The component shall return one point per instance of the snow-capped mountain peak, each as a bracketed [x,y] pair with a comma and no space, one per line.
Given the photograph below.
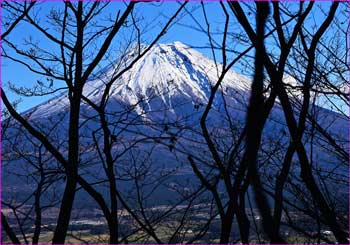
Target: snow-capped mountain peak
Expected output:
[172,72]
[168,70]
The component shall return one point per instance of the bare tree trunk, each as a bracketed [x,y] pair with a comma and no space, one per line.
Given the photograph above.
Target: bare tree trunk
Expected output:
[255,124]
[280,181]
[37,201]
[70,189]
[65,211]
[226,226]
[9,230]
[73,151]
[72,168]
[113,220]
[242,219]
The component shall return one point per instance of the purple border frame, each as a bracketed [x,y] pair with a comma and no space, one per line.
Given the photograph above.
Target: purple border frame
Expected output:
[348,60]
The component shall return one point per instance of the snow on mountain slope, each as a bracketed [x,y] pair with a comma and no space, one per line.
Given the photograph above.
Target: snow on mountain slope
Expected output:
[171,65]
[166,71]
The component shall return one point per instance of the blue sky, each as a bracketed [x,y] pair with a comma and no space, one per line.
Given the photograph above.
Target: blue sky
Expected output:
[154,15]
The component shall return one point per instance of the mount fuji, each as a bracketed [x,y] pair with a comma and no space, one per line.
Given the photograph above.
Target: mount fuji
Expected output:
[159,102]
